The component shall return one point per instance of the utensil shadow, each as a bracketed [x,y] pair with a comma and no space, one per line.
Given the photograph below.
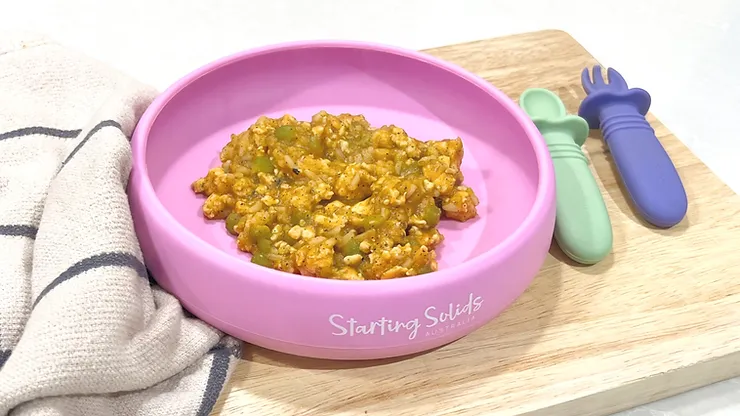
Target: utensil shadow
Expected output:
[502,346]
[591,269]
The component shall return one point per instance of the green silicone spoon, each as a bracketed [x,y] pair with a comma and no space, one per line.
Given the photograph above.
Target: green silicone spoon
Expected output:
[582,226]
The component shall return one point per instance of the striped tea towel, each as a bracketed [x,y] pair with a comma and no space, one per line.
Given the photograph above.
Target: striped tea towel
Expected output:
[82,330]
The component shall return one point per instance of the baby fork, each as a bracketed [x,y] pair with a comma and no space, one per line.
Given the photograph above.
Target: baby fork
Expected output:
[647,171]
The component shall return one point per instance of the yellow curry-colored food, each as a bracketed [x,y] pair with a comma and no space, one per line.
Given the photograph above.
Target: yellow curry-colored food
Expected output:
[336,198]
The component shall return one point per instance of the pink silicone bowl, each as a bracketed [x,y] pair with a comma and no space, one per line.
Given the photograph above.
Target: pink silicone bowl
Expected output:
[485,264]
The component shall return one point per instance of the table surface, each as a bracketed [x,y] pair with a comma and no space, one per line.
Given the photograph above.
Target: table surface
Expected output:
[682,54]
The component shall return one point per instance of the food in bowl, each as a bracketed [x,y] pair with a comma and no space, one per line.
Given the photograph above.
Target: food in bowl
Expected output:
[484,264]
[336,198]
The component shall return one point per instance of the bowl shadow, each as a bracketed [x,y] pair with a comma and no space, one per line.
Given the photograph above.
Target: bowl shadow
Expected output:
[620,196]
[501,346]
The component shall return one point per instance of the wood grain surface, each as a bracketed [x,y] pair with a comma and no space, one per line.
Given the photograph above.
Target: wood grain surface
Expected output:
[659,316]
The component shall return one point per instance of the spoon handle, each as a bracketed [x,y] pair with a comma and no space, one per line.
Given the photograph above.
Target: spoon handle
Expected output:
[583,229]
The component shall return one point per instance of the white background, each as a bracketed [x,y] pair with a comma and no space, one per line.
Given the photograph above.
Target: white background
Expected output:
[686,53]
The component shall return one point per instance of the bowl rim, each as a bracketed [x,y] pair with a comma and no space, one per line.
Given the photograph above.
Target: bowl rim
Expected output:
[538,213]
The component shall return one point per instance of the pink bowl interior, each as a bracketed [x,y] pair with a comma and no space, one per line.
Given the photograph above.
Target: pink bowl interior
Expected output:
[427,100]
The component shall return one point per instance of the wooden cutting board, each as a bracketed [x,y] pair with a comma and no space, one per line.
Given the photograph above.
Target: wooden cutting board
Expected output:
[659,316]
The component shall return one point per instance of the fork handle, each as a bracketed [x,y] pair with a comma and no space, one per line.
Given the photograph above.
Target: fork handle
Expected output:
[647,171]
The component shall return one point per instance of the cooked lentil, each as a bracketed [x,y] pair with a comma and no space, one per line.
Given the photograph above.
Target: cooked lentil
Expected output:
[336,198]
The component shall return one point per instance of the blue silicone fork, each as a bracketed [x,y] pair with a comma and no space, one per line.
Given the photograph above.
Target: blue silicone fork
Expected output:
[646,169]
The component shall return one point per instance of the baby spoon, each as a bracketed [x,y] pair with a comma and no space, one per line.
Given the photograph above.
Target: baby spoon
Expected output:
[582,226]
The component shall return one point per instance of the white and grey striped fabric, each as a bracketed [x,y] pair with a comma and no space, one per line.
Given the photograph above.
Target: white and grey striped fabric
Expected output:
[82,329]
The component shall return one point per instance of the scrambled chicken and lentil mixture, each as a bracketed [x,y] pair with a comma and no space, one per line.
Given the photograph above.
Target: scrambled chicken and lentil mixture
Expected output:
[336,198]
